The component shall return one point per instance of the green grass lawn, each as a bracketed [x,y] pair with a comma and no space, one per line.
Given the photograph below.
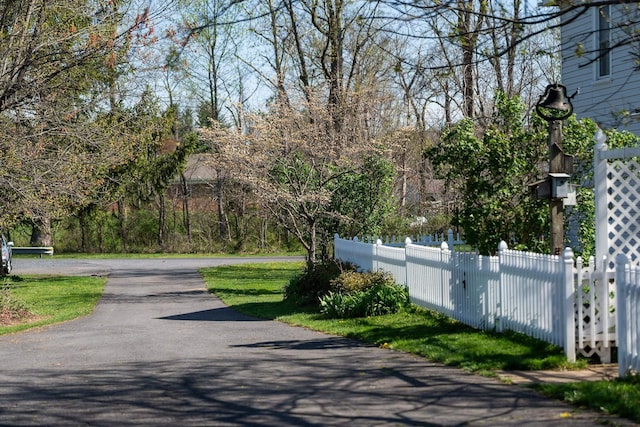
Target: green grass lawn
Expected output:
[256,289]
[51,299]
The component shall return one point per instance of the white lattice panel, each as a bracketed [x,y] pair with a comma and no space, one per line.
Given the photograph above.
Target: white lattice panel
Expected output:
[616,176]
[623,207]
[595,311]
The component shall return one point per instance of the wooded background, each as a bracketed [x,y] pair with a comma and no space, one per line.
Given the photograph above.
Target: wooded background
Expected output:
[312,117]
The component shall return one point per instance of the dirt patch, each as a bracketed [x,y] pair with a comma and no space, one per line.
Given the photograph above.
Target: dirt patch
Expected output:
[10,317]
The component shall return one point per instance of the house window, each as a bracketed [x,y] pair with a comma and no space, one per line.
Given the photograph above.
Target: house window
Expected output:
[603,41]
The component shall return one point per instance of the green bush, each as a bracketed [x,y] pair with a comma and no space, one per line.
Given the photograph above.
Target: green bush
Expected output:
[350,282]
[353,281]
[339,305]
[314,282]
[385,299]
[355,294]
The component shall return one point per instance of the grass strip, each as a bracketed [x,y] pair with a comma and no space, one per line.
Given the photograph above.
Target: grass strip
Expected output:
[620,396]
[52,299]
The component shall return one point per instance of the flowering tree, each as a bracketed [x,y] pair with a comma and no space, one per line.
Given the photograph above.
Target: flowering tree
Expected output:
[312,179]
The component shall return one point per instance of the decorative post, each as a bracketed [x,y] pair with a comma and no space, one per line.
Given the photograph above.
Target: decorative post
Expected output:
[444,284]
[555,106]
[556,168]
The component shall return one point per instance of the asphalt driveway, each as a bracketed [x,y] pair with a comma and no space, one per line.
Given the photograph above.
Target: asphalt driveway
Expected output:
[160,351]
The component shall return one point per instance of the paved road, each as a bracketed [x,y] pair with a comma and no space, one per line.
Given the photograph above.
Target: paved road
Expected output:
[160,351]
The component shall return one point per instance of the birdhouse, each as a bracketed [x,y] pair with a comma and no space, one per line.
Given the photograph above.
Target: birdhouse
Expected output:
[559,185]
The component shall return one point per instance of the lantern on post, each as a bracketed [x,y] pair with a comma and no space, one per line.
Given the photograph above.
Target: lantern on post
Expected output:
[554,106]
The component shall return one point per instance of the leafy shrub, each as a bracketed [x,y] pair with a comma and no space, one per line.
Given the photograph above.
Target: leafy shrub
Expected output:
[363,294]
[339,305]
[353,281]
[385,299]
[349,282]
[314,282]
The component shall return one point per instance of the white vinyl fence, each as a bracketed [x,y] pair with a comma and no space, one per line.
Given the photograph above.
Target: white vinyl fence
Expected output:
[518,291]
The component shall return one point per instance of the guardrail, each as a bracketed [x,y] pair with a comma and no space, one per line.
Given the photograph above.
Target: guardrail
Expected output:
[32,250]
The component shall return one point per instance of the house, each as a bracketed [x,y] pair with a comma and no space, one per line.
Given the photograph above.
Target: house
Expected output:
[598,61]
[197,183]
[198,170]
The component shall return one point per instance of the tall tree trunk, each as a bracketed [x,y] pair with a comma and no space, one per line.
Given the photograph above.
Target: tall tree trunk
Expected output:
[403,190]
[304,73]
[162,213]
[468,33]
[281,92]
[263,233]
[313,245]
[220,198]
[332,28]
[41,232]
[84,224]
[122,219]
[466,40]
[186,214]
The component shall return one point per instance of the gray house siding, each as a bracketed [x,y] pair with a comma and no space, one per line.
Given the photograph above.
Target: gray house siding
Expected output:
[612,101]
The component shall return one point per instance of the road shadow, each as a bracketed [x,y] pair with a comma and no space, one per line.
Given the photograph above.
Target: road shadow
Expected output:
[327,343]
[267,389]
[221,314]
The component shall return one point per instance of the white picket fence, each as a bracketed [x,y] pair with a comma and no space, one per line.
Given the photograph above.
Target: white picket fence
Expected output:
[628,315]
[518,291]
